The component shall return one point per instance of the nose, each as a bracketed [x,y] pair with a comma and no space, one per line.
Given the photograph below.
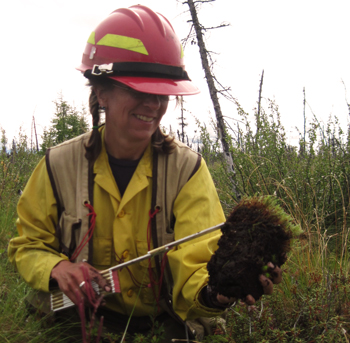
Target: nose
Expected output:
[152,101]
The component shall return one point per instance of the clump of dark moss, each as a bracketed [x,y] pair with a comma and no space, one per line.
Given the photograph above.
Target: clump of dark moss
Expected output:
[256,232]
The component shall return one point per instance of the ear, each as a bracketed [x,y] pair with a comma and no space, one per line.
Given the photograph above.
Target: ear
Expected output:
[101,95]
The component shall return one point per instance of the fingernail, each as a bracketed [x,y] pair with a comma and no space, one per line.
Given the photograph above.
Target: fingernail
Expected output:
[264,279]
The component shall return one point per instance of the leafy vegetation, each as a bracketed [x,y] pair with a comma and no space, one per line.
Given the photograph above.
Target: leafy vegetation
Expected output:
[311,182]
[17,324]
[67,122]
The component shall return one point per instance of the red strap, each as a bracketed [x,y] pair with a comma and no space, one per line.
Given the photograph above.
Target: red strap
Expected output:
[116,283]
[162,268]
[88,234]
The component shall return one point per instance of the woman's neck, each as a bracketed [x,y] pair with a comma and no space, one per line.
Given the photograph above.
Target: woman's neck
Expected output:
[124,149]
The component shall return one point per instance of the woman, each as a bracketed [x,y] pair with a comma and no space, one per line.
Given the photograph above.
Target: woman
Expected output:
[127,187]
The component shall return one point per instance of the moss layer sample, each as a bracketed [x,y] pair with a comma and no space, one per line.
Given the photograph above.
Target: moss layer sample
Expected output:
[256,232]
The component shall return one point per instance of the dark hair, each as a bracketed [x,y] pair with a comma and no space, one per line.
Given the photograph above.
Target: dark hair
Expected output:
[161,142]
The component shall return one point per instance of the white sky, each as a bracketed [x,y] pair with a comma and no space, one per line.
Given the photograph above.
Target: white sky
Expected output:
[300,43]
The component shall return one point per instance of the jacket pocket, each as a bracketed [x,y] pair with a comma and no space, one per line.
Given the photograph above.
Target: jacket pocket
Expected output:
[142,249]
[168,238]
[102,252]
[68,230]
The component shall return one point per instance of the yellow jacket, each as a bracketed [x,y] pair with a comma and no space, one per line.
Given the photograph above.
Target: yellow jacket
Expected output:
[121,233]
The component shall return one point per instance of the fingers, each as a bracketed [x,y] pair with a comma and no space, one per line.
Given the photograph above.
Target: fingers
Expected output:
[275,273]
[224,300]
[92,277]
[74,280]
[249,300]
[272,276]
[266,284]
[267,288]
[64,273]
[101,281]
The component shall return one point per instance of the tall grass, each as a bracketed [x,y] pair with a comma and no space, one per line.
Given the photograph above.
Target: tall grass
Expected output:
[312,183]
[16,323]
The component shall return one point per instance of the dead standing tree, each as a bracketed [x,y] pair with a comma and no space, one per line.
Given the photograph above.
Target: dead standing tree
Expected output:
[212,89]
[183,124]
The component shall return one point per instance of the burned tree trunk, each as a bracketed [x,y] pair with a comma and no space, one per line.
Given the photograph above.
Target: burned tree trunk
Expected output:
[213,92]
[182,122]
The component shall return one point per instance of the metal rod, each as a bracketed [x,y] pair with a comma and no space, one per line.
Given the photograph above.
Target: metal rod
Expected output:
[164,248]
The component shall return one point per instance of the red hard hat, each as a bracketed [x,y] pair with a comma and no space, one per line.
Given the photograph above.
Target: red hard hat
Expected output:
[139,48]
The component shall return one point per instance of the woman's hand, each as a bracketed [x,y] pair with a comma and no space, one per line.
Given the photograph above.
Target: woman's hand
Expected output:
[275,277]
[70,279]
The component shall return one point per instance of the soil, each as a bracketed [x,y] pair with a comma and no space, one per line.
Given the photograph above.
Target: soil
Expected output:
[256,232]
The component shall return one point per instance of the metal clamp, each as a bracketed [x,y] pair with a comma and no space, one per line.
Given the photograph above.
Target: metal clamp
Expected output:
[103,68]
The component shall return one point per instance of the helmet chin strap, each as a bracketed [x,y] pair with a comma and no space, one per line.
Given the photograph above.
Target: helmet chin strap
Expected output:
[140,69]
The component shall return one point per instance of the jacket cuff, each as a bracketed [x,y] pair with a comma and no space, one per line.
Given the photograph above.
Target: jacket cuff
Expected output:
[47,283]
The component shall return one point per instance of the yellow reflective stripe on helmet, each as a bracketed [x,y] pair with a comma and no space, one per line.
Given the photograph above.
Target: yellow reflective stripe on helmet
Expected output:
[123,42]
[182,51]
[91,39]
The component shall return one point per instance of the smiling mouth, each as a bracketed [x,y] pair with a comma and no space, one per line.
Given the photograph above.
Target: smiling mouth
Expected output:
[144,118]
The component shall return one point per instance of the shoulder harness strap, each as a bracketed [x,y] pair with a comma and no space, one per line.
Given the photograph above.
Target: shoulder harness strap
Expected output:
[170,174]
[71,177]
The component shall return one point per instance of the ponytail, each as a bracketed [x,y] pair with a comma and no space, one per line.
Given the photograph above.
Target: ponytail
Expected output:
[94,146]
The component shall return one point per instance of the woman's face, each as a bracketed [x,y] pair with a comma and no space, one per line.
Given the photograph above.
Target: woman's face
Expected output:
[130,115]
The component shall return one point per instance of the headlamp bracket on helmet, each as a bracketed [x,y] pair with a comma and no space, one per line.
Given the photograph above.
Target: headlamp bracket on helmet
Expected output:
[101,69]
[138,69]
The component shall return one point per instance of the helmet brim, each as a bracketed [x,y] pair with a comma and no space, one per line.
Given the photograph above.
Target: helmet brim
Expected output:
[158,86]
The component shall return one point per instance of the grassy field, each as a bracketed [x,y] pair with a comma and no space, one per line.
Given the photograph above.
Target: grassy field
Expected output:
[312,303]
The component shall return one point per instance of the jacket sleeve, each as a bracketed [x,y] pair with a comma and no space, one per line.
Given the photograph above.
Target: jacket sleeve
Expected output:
[196,208]
[35,252]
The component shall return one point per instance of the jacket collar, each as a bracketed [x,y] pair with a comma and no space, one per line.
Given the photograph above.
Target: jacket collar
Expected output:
[105,179]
